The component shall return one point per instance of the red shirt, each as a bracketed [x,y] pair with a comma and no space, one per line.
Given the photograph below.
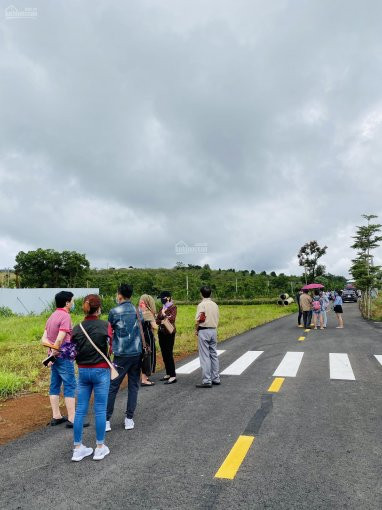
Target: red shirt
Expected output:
[59,321]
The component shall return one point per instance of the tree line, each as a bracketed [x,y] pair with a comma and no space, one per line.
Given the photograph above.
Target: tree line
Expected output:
[48,268]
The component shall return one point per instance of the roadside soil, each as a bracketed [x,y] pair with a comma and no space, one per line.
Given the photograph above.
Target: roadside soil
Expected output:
[27,412]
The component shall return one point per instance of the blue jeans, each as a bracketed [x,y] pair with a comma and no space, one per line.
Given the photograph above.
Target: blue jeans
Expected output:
[62,372]
[89,379]
[130,365]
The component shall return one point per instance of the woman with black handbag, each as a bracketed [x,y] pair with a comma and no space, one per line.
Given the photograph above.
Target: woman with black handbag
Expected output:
[148,310]
[166,333]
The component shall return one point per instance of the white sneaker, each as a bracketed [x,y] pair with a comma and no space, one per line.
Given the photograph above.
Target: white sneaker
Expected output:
[108,428]
[81,453]
[129,423]
[100,453]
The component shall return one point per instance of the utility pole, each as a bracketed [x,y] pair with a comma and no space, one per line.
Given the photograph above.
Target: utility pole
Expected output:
[187,286]
[236,285]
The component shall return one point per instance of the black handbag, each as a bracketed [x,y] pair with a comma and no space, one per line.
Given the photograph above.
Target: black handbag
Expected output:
[146,351]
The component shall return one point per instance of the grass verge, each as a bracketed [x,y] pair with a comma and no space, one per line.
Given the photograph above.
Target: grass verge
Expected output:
[21,353]
[376,308]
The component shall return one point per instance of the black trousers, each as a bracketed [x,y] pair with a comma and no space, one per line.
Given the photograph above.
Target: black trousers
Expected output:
[307,319]
[166,344]
[299,316]
[130,365]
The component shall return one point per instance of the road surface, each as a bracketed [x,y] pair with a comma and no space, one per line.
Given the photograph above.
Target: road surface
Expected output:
[295,424]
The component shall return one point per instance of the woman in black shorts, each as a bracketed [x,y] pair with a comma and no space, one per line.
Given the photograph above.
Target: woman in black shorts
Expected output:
[337,307]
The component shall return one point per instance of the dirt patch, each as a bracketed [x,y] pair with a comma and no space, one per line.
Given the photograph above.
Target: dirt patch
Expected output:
[22,414]
[27,412]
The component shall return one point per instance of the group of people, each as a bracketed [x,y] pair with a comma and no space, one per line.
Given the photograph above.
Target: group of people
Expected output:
[124,336]
[313,309]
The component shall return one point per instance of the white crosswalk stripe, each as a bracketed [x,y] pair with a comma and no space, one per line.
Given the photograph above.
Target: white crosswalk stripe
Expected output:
[238,366]
[340,367]
[289,365]
[190,367]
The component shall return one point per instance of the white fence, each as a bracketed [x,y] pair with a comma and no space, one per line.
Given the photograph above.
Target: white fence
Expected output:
[25,301]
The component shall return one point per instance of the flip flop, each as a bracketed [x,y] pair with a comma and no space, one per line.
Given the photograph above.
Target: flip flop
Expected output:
[148,383]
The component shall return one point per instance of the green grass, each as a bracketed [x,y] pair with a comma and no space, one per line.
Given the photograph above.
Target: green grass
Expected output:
[10,384]
[376,308]
[233,320]
[21,353]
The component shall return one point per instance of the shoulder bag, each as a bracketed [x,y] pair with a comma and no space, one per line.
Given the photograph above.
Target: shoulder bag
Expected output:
[113,371]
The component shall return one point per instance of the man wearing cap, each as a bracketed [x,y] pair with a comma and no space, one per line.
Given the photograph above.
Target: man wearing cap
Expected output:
[167,338]
[207,320]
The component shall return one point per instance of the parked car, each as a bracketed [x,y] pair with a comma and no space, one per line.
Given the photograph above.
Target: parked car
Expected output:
[349,295]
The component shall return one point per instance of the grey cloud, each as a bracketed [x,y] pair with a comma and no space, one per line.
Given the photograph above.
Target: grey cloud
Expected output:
[248,126]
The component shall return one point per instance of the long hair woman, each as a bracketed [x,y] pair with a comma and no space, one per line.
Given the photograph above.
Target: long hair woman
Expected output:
[167,339]
[148,309]
[93,376]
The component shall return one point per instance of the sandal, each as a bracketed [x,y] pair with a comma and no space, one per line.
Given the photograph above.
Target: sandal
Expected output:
[57,421]
[148,383]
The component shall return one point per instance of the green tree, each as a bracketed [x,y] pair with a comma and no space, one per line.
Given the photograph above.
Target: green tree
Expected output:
[308,257]
[366,275]
[49,268]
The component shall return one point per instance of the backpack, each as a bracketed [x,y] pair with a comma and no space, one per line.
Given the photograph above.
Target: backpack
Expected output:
[316,305]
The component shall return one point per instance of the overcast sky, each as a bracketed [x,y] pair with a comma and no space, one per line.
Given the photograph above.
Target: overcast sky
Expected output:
[128,126]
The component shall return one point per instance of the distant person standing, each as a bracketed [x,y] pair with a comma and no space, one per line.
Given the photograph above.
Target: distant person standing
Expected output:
[166,333]
[317,310]
[324,307]
[306,307]
[298,295]
[58,331]
[337,307]
[127,349]
[207,320]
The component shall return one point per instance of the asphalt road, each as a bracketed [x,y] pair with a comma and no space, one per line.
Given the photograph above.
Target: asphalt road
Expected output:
[317,441]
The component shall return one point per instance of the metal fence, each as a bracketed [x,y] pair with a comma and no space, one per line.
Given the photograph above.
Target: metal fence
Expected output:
[26,301]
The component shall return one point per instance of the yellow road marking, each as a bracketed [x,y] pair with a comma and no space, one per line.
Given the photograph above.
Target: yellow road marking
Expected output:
[306,330]
[233,461]
[276,384]
[301,338]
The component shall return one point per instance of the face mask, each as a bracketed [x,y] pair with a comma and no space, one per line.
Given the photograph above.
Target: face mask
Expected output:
[117,301]
[164,300]
[72,308]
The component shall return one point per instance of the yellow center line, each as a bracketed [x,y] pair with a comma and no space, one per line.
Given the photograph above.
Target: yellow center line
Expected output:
[301,338]
[233,461]
[276,384]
